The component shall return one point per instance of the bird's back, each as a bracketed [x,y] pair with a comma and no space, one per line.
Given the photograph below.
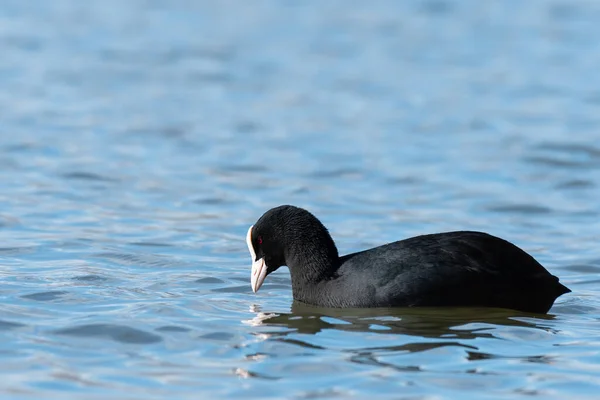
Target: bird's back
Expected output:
[461,268]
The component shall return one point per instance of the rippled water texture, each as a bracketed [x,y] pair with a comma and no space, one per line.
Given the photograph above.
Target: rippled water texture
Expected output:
[139,140]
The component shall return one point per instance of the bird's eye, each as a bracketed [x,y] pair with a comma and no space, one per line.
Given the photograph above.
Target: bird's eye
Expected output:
[260,240]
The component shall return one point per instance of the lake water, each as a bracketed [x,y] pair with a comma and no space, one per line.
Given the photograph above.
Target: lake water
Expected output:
[140,139]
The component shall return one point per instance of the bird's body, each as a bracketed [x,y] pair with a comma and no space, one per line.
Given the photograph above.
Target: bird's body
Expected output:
[460,268]
[445,269]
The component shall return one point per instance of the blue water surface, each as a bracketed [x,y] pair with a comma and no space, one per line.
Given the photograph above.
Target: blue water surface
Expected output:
[139,139]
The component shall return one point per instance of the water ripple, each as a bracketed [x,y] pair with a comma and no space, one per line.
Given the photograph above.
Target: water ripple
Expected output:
[46,296]
[140,139]
[118,333]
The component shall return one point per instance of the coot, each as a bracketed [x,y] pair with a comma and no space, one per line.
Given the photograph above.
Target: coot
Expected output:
[462,269]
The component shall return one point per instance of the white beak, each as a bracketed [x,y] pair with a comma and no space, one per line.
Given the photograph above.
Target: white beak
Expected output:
[259,268]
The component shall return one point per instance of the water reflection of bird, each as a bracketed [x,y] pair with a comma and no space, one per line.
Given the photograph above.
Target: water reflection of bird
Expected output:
[437,323]
[418,329]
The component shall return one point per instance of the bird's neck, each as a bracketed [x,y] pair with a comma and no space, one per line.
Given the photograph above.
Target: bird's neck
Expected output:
[312,260]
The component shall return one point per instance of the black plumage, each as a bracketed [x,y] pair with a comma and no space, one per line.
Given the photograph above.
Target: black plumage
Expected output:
[463,268]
